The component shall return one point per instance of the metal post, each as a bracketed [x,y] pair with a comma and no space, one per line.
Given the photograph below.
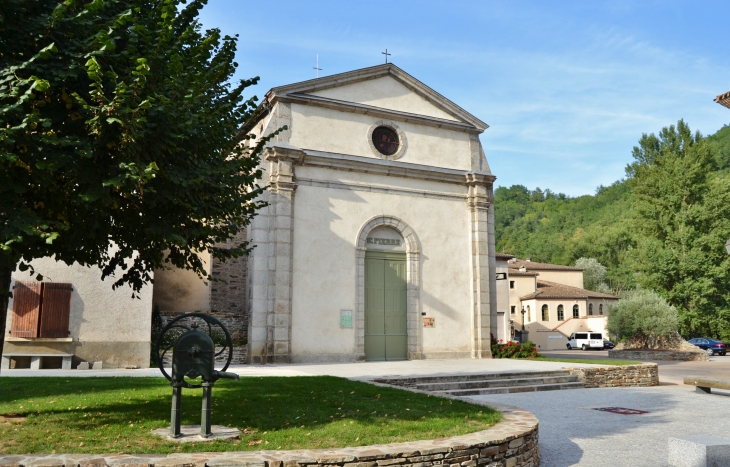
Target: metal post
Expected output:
[176,410]
[205,431]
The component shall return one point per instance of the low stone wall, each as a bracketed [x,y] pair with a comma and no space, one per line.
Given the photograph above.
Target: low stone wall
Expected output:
[662,355]
[510,443]
[618,376]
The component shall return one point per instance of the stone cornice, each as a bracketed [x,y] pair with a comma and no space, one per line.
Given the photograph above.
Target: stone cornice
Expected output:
[349,163]
[374,72]
[378,112]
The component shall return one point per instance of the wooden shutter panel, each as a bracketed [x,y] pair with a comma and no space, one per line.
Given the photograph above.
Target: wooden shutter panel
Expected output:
[55,309]
[26,309]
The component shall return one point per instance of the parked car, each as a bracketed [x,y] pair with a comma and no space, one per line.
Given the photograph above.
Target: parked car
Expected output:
[585,340]
[607,344]
[711,346]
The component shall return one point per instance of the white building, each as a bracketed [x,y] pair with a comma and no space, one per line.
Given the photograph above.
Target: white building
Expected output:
[555,302]
[380,223]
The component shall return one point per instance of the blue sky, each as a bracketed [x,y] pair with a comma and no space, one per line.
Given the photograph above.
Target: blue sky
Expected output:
[566,87]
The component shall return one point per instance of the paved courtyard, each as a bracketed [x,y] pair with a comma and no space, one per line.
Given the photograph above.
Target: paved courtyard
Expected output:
[572,433]
[361,370]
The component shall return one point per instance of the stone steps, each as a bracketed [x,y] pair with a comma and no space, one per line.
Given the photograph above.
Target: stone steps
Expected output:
[512,389]
[494,383]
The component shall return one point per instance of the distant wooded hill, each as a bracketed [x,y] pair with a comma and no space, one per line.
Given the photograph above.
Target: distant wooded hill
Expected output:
[554,228]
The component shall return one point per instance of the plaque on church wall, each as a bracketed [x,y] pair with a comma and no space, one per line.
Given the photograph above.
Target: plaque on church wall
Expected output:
[385,238]
[429,322]
[345,318]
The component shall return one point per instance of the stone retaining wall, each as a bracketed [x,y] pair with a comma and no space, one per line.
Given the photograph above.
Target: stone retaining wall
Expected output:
[617,376]
[510,443]
[662,355]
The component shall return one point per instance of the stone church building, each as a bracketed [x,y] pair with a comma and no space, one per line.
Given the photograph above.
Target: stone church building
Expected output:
[378,239]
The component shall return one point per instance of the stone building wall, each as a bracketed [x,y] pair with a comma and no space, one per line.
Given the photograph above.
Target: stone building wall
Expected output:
[228,297]
[228,301]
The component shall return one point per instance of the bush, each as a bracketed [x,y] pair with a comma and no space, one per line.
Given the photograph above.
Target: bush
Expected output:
[513,349]
[642,315]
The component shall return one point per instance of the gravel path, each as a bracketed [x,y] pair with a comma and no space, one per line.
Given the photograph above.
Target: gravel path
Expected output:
[573,434]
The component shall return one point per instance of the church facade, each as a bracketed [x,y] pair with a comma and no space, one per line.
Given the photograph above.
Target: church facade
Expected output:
[378,241]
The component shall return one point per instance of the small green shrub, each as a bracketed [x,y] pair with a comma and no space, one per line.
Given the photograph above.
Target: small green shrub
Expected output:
[644,316]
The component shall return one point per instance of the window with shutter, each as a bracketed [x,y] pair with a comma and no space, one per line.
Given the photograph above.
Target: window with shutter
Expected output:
[41,309]
[26,309]
[55,308]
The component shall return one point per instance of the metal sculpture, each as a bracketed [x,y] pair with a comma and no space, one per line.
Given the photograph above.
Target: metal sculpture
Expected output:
[193,356]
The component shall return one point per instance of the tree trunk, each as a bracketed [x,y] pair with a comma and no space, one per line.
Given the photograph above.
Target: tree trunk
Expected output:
[5,276]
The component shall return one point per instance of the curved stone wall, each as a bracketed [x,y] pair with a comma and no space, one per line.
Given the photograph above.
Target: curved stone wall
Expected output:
[513,442]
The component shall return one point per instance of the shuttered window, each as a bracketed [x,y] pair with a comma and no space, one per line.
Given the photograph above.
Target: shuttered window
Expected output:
[26,309]
[41,309]
[55,308]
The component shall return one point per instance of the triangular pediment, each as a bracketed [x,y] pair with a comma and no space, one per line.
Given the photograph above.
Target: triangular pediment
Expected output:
[384,86]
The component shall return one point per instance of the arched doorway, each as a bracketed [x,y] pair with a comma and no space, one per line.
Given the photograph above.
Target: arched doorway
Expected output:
[387,311]
[386,330]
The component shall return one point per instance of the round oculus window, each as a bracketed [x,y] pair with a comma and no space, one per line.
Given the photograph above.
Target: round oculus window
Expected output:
[385,140]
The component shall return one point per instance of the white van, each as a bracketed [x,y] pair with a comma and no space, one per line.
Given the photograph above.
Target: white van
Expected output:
[585,340]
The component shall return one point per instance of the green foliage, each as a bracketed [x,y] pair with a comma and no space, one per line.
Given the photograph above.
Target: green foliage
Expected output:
[720,144]
[118,123]
[559,229]
[594,273]
[101,415]
[663,228]
[681,210]
[642,314]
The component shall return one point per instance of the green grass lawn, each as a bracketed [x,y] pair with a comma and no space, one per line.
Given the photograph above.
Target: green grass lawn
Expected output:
[112,415]
[586,360]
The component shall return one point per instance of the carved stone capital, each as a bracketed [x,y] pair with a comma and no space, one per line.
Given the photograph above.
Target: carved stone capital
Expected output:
[283,159]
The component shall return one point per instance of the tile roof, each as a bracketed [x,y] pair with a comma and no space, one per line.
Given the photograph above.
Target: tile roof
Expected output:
[724,99]
[534,266]
[517,272]
[547,289]
[503,256]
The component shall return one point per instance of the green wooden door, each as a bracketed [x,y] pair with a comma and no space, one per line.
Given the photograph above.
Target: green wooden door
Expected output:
[386,332]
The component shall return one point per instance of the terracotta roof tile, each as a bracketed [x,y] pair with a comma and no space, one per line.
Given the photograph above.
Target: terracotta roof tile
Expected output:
[724,99]
[517,272]
[547,289]
[503,256]
[534,266]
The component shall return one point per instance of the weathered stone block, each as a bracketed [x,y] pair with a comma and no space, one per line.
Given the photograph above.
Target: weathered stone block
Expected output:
[699,451]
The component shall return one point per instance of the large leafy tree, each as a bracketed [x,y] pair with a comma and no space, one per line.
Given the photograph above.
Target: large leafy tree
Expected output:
[119,125]
[682,211]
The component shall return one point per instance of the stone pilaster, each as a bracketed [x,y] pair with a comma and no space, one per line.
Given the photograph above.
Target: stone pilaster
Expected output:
[259,279]
[479,201]
[493,317]
[282,186]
